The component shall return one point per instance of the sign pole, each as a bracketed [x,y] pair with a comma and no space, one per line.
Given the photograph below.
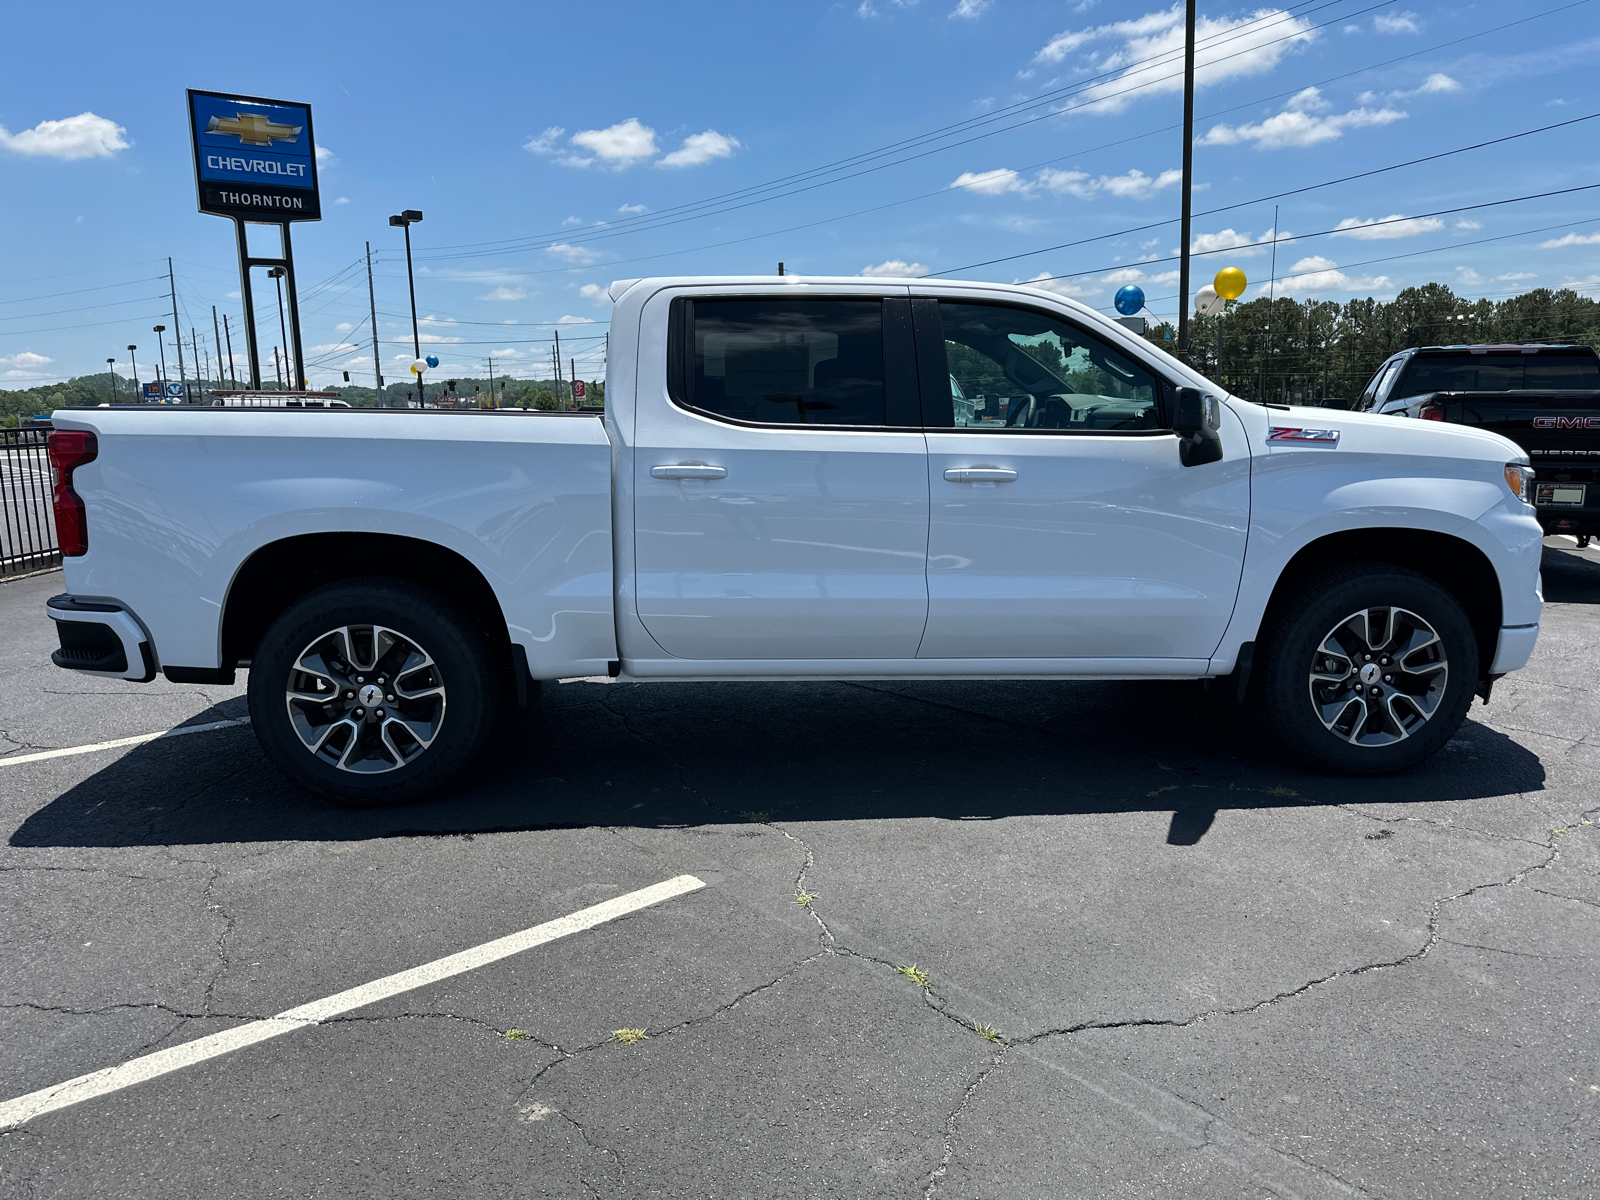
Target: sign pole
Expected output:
[294,311]
[177,331]
[252,351]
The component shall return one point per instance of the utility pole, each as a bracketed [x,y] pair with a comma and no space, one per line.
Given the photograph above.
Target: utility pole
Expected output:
[492,404]
[216,336]
[275,369]
[232,379]
[558,368]
[177,329]
[194,344]
[572,379]
[372,305]
[277,274]
[1188,181]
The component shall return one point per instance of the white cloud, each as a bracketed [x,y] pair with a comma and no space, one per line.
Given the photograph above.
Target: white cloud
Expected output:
[26,358]
[545,143]
[82,136]
[633,208]
[570,221]
[1318,274]
[1122,275]
[571,320]
[430,319]
[1437,82]
[1136,185]
[1571,239]
[325,158]
[1465,224]
[1515,276]
[1071,288]
[1375,229]
[344,326]
[991,183]
[1467,277]
[1298,125]
[1399,22]
[617,146]
[505,293]
[1226,48]
[579,255]
[437,339]
[331,348]
[595,294]
[895,268]
[970,10]
[1238,242]
[701,148]
[342,200]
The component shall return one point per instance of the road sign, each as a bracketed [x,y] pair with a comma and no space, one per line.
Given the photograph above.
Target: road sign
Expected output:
[254,158]
[174,390]
[577,389]
[152,391]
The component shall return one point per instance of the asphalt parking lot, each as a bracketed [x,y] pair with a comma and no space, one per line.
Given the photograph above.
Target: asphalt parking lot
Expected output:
[1202,971]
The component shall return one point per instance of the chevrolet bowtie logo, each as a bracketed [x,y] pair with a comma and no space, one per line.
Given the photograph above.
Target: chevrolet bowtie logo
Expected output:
[253,129]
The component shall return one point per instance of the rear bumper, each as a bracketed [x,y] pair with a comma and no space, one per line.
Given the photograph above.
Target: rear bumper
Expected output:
[1514,648]
[100,637]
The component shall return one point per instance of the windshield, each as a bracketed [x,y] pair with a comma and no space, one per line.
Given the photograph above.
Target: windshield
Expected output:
[1498,373]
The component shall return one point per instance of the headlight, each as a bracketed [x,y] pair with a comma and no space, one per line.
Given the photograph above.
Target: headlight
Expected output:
[1519,479]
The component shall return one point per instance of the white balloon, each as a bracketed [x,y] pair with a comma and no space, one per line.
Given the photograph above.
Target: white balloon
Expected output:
[1207,303]
[418,366]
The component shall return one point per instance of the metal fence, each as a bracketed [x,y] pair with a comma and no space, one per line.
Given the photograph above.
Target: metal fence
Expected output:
[27,519]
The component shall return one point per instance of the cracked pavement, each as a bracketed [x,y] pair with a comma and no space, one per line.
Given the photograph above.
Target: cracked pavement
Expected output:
[1201,972]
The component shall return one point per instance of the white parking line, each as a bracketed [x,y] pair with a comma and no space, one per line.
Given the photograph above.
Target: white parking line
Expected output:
[40,755]
[112,1079]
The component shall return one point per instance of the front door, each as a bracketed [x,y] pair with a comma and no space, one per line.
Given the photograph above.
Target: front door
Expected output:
[1062,523]
[781,496]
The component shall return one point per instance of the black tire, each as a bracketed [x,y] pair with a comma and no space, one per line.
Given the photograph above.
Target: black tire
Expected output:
[1309,691]
[433,673]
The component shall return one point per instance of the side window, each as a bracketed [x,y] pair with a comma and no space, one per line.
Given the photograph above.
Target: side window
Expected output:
[788,362]
[1014,370]
[1563,371]
[1374,394]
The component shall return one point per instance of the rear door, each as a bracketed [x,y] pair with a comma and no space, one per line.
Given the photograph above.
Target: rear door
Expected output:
[780,492]
[1062,524]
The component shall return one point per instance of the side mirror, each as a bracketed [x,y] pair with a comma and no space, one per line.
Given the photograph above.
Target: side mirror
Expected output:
[1194,420]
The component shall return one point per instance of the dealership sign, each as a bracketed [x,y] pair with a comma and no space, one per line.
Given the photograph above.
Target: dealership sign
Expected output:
[254,159]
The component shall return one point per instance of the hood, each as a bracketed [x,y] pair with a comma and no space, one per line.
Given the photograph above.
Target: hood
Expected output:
[1367,433]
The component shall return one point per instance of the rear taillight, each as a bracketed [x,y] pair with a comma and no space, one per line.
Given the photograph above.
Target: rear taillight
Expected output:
[70,449]
[1431,412]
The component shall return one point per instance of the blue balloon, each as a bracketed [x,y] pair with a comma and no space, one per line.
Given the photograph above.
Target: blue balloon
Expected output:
[433,359]
[1129,300]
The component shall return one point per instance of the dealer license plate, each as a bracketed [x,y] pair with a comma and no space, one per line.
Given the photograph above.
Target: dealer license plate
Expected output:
[1562,494]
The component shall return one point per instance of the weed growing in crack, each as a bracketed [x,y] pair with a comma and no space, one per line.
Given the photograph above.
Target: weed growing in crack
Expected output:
[629,1036]
[516,1035]
[1171,787]
[1280,790]
[987,1032]
[756,818]
[804,898]
[916,974]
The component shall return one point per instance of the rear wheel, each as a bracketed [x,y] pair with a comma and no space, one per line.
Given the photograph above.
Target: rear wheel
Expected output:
[1365,669]
[373,691]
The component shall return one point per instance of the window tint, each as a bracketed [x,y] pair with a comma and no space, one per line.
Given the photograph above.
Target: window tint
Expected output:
[1563,371]
[1013,370]
[790,362]
[1461,373]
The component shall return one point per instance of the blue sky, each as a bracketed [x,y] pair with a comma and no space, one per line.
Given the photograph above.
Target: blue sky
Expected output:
[554,148]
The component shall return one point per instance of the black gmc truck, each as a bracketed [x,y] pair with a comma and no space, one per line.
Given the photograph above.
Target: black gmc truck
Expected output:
[1544,398]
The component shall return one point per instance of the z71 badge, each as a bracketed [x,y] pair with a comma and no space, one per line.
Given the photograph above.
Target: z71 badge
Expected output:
[1313,437]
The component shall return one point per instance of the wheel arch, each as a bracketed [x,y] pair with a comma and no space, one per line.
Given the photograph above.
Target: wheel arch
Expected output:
[1454,563]
[279,573]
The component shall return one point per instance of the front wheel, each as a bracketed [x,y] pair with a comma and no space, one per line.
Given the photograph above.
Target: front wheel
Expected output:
[1365,669]
[373,691]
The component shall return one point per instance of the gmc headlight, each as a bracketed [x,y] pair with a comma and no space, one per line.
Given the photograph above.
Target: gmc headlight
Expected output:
[1519,478]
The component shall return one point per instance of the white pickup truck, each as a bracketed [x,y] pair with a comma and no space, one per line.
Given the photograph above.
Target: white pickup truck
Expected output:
[802,478]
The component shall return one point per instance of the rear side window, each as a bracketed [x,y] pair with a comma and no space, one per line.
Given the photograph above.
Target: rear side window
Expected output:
[1563,371]
[788,362]
[1462,373]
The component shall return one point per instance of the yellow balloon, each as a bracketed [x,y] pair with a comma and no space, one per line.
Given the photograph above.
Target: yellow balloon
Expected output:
[1230,283]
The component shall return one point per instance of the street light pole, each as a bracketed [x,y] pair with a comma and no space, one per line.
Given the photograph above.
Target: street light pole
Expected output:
[111,370]
[405,220]
[134,362]
[276,275]
[161,344]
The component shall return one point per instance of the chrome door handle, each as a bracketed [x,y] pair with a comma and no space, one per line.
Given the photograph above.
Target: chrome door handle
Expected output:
[688,471]
[980,474]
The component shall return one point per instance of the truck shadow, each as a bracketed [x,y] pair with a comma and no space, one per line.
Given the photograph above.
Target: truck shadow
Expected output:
[1570,575]
[707,754]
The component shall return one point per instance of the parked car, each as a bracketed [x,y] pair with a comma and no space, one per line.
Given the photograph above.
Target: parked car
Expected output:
[783,486]
[1544,398]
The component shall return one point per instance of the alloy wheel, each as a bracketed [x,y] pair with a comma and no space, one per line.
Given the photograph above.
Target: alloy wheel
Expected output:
[1378,676]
